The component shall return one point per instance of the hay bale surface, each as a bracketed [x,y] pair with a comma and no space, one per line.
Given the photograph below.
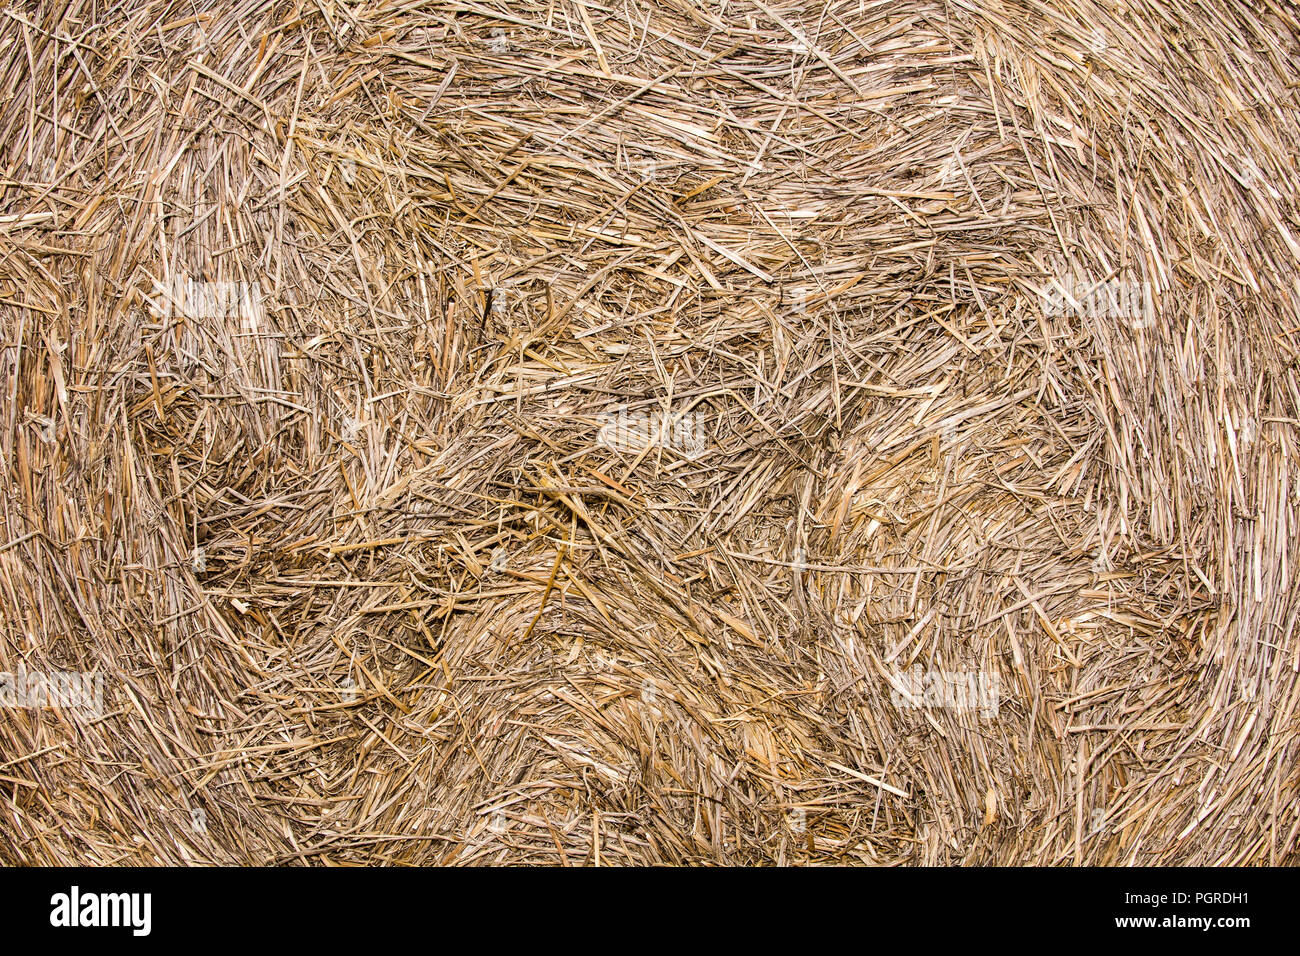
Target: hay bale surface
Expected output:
[339,344]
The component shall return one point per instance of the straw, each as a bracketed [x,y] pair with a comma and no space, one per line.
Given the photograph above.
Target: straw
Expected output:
[562,433]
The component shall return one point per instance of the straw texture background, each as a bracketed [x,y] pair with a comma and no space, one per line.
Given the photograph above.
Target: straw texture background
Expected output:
[364,582]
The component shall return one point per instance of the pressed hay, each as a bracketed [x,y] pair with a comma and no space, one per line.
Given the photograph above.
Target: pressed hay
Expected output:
[339,344]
